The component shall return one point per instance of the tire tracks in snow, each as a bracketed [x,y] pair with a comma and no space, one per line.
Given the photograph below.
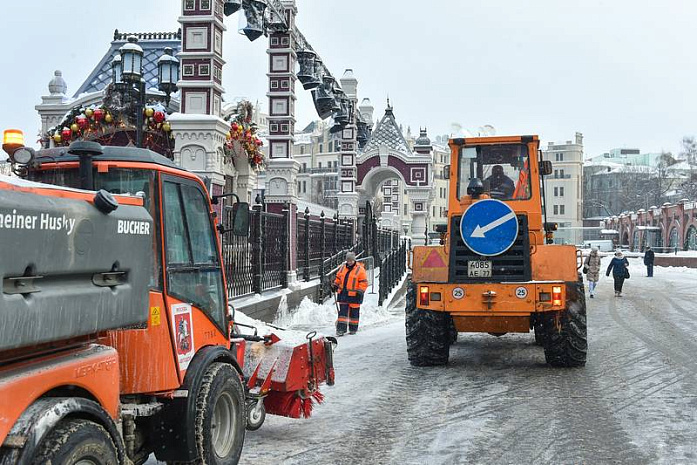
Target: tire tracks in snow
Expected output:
[668,349]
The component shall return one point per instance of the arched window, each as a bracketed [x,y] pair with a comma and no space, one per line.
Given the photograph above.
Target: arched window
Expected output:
[691,239]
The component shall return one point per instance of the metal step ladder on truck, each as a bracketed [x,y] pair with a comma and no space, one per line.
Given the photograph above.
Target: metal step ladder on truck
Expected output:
[116,338]
[496,270]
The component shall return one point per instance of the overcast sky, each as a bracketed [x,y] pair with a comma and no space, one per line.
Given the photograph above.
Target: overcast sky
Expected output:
[622,72]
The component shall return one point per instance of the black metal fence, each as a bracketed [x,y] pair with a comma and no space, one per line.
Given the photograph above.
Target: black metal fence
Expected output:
[260,261]
[257,262]
[392,269]
[320,239]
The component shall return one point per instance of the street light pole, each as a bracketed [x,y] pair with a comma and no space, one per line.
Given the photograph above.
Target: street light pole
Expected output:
[140,109]
[127,78]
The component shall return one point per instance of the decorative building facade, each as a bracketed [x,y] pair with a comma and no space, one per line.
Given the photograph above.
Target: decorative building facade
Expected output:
[668,228]
[564,189]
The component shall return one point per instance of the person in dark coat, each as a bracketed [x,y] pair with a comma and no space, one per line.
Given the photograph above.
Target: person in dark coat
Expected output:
[500,185]
[648,261]
[618,266]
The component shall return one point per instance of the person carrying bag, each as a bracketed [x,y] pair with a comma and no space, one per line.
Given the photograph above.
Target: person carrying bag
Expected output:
[620,271]
[591,268]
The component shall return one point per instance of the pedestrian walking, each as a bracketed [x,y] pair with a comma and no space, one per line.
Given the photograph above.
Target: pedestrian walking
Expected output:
[649,256]
[620,271]
[350,284]
[591,267]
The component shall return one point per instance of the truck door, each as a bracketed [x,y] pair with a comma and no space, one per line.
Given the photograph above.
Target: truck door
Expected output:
[195,294]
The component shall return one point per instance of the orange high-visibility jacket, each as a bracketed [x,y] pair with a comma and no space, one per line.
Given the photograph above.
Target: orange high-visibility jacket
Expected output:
[357,281]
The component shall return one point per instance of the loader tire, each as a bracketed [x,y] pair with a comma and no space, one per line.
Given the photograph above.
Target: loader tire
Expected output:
[76,441]
[453,331]
[429,333]
[566,343]
[539,334]
[221,416]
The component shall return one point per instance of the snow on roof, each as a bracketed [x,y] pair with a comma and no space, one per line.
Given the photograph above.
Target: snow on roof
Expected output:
[681,166]
[388,133]
[153,45]
[303,138]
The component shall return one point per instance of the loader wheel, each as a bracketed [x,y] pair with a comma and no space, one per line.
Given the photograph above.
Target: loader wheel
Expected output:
[255,416]
[220,416]
[429,333]
[453,331]
[539,334]
[566,343]
[77,442]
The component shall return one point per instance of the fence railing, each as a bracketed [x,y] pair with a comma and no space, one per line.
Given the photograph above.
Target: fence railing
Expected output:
[392,268]
[320,239]
[260,261]
[257,262]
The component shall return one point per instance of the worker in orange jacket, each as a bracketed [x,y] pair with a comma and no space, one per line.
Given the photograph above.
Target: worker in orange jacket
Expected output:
[350,285]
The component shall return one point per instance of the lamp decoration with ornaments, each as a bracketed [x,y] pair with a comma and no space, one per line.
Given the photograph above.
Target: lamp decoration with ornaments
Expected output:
[242,140]
[96,121]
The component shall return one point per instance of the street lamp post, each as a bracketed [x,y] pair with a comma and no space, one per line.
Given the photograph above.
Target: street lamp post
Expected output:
[127,78]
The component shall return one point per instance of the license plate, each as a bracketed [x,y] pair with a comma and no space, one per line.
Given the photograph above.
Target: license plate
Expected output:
[479,269]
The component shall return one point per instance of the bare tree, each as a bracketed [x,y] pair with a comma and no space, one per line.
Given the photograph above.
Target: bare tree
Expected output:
[688,187]
[641,186]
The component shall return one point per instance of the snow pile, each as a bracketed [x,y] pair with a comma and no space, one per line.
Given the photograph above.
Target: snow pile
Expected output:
[310,314]
[676,269]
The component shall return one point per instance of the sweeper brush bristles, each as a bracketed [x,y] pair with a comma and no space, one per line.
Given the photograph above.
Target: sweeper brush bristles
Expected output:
[290,404]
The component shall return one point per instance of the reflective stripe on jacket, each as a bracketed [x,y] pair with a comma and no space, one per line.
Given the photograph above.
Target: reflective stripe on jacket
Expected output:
[356,279]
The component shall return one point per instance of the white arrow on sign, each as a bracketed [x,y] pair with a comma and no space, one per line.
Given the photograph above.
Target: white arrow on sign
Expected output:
[480,231]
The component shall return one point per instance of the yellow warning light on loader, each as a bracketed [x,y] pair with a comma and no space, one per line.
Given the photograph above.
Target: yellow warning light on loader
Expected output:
[12,139]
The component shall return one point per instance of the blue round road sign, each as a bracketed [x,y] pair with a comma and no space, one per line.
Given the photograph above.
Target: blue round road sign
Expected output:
[489,227]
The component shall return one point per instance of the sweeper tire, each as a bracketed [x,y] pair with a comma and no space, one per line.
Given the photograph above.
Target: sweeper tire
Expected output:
[221,416]
[75,441]
[255,418]
[566,343]
[428,333]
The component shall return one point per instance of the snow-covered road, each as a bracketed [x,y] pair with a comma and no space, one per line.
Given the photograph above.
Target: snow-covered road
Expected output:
[497,402]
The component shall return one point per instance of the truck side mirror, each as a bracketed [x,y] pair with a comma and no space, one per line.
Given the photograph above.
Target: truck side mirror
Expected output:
[240,219]
[546,168]
[446,172]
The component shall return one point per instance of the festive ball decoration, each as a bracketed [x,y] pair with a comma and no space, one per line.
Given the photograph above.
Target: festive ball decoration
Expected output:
[110,121]
[82,122]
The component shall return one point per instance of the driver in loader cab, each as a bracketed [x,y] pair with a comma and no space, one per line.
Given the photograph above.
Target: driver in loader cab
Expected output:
[500,185]
[350,284]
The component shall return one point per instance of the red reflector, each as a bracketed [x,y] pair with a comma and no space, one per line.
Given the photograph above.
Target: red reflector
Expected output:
[423,295]
[556,295]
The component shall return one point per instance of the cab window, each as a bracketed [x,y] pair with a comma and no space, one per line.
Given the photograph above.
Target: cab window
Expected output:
[504,170]
[194,273]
